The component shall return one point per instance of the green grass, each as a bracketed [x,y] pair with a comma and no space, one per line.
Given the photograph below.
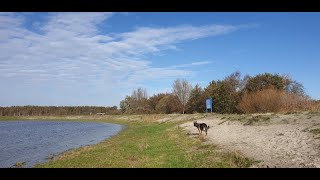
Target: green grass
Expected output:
[149,144]
[7,118]
[315,131]
[19,164]
[143,143]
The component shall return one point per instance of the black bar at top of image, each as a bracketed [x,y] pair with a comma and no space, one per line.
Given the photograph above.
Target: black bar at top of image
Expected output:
[160,5]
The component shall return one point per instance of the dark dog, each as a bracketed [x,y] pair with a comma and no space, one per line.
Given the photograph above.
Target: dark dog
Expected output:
[201,127]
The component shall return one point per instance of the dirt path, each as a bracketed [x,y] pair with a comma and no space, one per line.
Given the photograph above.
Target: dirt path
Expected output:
[285,141]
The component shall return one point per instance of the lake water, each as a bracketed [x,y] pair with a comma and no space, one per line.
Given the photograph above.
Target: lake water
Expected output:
[34,142]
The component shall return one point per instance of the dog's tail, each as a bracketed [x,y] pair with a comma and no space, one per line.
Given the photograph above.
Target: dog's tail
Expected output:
[208,127]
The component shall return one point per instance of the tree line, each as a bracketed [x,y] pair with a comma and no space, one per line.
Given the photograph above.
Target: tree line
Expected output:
[56,110]
[234,94]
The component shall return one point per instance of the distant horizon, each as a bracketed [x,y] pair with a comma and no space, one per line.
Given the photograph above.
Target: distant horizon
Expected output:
[96,59]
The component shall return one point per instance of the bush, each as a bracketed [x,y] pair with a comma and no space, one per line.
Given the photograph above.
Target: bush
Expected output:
[169,104]
[274,100]
[267,100]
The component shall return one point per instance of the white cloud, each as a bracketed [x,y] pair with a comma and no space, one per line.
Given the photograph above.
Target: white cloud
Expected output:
[193,64]
[146,40]
[72,51]
[81,23]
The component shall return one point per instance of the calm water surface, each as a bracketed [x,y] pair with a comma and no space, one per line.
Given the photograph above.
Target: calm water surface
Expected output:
[34,142]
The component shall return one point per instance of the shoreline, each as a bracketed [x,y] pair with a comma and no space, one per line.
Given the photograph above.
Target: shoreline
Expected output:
[26,143]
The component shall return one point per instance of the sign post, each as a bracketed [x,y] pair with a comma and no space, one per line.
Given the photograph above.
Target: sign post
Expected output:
[209,104]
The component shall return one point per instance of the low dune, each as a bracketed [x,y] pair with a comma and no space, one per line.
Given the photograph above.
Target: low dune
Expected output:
[283,141]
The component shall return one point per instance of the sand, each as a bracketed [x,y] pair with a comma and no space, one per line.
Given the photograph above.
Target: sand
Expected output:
[284,141]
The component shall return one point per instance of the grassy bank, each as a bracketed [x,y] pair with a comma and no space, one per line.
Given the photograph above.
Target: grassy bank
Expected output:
[145,143]
[8,118]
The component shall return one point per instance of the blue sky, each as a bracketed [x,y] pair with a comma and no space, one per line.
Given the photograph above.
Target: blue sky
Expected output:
[98,58]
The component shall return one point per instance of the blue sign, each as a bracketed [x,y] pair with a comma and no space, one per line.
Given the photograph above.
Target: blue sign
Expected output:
[209,104]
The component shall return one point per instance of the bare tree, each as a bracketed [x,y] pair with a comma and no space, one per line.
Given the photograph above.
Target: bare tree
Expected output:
[139,99]
[139,94]
[182,89]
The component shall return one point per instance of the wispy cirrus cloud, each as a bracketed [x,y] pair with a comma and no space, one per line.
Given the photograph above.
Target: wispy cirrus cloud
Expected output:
[72,51]
[146,40]
[197,63]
